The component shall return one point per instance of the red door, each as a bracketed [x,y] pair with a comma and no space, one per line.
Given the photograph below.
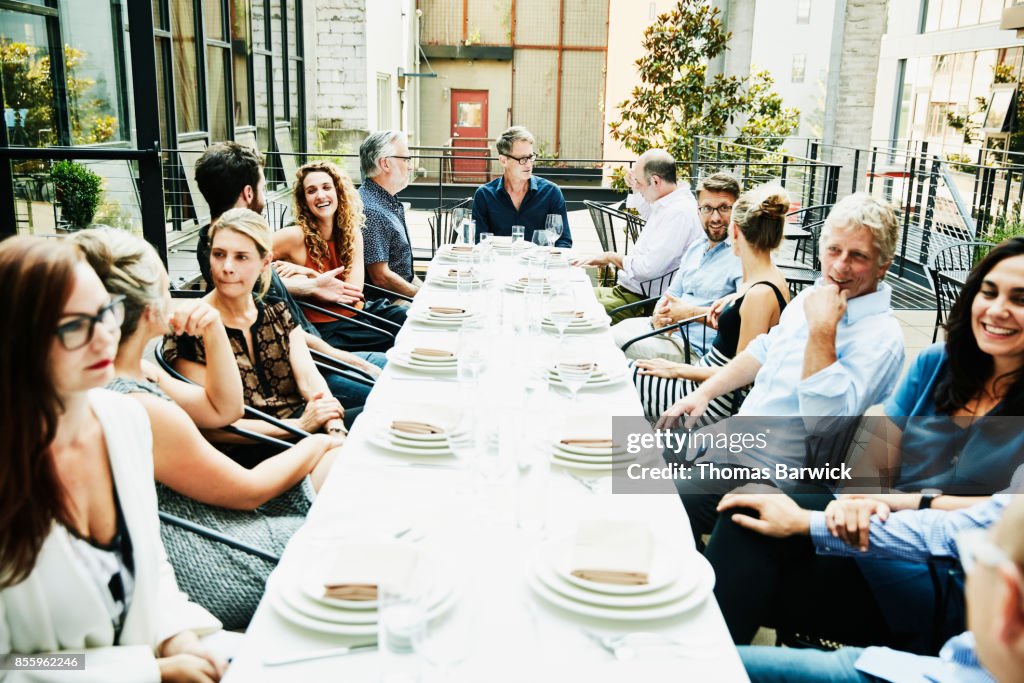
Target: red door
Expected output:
[469,130]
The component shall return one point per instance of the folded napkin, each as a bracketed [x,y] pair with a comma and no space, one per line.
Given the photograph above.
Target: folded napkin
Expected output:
[414,427]
[446,310]
[577,366]
[433,353]
[589,443]
[526,280]
[362,568]
[614,552]
[454,272]
[462,248]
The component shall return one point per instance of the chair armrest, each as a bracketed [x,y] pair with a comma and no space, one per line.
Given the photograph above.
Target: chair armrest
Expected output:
[334,364]
[385,292]
[626,307]
[680,325]
[355,321]
[352,375]
[216,536]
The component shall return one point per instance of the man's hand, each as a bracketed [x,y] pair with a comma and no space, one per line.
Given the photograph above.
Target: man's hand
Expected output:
[670,309]
[593,261]
[692,407]
[192,317]
[289,269]
[824,308]
[778,515]
[328,288]
[848,518]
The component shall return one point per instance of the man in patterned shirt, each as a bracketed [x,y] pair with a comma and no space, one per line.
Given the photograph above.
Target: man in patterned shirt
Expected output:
[385,162]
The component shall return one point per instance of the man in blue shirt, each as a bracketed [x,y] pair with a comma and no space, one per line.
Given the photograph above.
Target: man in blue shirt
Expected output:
[708,270]
[385,163]
[993,647]
[518,197]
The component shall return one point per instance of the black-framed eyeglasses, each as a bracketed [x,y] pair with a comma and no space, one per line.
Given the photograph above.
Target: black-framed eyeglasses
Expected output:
[720,210]
[395,156]
[77,332]
[523,161]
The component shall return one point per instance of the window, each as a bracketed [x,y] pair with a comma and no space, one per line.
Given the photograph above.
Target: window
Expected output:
[218,66]
[241,50]
[185,67]
[803,11]
[383,101]
[799,68]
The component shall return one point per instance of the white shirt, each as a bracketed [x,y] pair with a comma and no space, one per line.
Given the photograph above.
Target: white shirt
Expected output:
[673,226]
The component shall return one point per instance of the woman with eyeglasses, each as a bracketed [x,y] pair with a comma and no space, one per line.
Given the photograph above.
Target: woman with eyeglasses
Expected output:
[949,436]
[327,237]
[755,231]
[82,568]
[262,506]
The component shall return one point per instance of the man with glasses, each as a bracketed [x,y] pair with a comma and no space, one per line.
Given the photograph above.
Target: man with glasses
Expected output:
[987,539]
[708,270]
[672,226]
[518,197]
[385,163]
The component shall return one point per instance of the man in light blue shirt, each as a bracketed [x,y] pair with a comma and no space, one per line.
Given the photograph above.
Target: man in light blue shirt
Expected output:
[708,270]
[837,350]
[993,648]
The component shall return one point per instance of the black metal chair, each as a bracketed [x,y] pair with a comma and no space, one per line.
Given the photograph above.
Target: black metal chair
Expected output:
[948,272]
[604,218]
[657,284]
[798,278]
[808,218]
[214,535]
[634,225]
[681,326]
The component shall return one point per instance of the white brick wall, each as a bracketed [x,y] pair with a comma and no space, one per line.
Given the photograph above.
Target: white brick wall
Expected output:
[340,64]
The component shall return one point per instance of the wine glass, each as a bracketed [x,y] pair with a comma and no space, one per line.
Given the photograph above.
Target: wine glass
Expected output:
[459,217]
[575,369]
[542,238]
[561,312]
[553,226]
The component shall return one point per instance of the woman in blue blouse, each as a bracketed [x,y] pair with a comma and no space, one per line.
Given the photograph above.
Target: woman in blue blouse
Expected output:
[948,428]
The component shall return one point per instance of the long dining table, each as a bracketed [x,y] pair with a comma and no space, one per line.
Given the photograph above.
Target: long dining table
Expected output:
[470,523]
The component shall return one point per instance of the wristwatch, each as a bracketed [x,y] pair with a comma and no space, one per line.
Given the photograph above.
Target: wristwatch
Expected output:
[928,496]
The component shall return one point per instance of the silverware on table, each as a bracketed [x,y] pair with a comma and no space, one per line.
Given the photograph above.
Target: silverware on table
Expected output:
[320,654]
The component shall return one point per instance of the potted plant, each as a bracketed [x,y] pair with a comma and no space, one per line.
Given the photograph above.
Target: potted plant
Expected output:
[78,191]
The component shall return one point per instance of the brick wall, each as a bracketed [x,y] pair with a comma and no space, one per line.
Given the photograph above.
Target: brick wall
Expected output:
[340,70]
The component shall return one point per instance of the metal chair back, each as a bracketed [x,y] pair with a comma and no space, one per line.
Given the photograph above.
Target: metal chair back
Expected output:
[948,272]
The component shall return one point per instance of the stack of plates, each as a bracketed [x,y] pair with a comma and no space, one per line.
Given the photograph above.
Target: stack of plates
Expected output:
[582,324]
[450,253]
[505,247]
[299,599]
[447,278]
[451,319]
[558,258]
[600,378]
[409,359]
[677,583]
[521,284]
[407,443]
[589,458]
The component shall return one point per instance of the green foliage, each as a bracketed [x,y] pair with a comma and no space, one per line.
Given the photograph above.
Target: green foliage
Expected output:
[1002,73]
[961,163]
[1006,226]
[78,190]
[675,101]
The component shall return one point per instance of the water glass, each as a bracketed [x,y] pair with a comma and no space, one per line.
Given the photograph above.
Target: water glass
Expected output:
[553,225]
[401,617]
[561,311]
[518,233]
[472,356]
[542,238]
[446,644]
[534,298]
[467,231]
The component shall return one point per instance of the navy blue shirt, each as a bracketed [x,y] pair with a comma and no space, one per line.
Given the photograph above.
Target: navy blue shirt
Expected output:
[385,234]
[494,212]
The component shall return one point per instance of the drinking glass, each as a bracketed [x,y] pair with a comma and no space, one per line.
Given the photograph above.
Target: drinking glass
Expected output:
[553,225]
[542,238]
[533,467]
[575,369]
[518,233]
[561,312]
[534,300]
[491,463]
[447,643]
[466,279]
[472,354]
[401,616]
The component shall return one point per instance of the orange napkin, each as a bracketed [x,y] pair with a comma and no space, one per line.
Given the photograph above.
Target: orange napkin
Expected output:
[413,427]
[613,552]
[433,353]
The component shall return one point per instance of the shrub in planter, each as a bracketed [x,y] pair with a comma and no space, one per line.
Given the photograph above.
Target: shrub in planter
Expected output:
[78,190]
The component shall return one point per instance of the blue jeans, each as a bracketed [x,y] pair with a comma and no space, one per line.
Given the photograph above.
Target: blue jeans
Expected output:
[793,665]
[350,393]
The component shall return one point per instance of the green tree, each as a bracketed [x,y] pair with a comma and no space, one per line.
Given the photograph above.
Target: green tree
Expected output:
[676,101]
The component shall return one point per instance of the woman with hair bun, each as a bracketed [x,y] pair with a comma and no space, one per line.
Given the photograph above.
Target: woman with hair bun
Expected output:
[758,220]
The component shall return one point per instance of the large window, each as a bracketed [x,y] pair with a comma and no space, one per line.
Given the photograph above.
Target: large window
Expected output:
[63,73]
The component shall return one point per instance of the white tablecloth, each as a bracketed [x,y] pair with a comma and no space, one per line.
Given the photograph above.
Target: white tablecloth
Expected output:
[521,637]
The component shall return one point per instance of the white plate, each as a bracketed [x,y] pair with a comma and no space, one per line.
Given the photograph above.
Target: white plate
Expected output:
[677,590]
[587,325]
[297,618]
[382,439]
[587,466]
[666,569]
[517,286]
[446,281]
[617,460]
[426,318]
[402,360]
[602,379]
[705,585]
[408,436]
[584,450]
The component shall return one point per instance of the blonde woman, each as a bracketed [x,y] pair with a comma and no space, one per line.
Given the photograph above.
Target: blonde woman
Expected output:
[196,481]
[756,231]
[327,237]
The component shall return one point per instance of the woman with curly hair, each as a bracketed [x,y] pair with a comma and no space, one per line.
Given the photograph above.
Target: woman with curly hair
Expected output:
[327,237]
